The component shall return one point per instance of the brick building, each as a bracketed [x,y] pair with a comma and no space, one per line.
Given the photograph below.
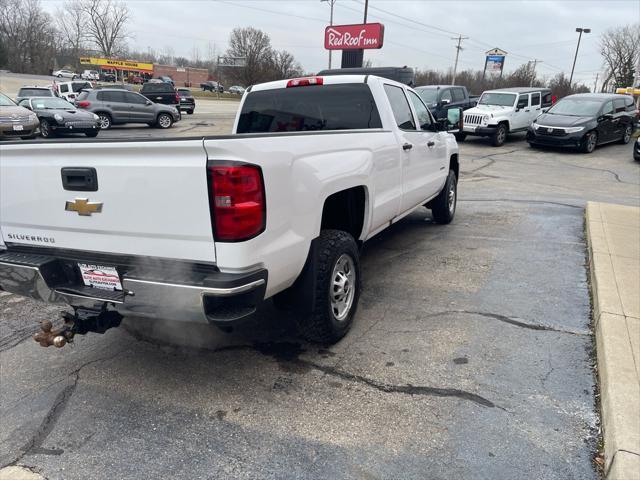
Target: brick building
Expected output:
[181,76]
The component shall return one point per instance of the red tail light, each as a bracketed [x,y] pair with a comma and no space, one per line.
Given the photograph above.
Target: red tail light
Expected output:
[83,104]
[237,203]
[177,98]
[304,82]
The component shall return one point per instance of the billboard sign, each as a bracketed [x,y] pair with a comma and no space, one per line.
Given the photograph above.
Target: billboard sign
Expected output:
[354,37]
[494,62]
[117,64]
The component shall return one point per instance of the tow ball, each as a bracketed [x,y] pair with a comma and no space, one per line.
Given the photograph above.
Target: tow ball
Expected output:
[80,322]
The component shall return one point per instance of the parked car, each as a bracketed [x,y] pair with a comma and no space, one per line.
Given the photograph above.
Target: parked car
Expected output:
[187,102]
[584,121]
[636,150]
[440,98]
[163,93]
[114,106]
[505,111]
[90,75]
[282,213]
[65,74]
[108,77]
[27,92]
[70,90]
[16,121]
[57,116]
[135,79]
[211,86]
[236,89]
[166,79]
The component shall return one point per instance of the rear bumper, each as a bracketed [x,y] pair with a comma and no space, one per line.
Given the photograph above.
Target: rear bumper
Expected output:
[181,292]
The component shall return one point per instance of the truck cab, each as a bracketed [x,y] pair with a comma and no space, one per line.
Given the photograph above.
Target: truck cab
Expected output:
[504,111]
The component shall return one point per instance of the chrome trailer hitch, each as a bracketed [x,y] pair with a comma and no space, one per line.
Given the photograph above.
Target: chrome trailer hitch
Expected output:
[80,322]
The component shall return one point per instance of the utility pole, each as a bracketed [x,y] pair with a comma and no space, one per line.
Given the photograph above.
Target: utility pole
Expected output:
[331,4]
[595,84]
[366,9]
[458,48]
[579,30]
[535,62]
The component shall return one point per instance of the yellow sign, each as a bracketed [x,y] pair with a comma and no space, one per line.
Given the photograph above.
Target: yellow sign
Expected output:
[117,64]
[628,90]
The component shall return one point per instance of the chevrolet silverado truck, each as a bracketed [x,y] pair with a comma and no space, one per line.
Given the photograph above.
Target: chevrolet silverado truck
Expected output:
[205,229]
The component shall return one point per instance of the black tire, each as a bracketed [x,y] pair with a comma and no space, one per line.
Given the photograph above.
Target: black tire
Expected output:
[626,136]
[164,121]
[499,136]
[29,137]
[45,129]
[104,121]
[92,134]
[443,207]
[59,75]
[189,112]
[325,323]
[589,142]
[460,137]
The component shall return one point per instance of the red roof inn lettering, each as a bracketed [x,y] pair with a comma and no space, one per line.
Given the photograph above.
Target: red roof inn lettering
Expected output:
[354,37]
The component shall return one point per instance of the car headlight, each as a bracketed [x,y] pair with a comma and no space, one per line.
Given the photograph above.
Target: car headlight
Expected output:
[485,119]
[96,117]
[33,117]
[573,129]
[58,117]
[535,126]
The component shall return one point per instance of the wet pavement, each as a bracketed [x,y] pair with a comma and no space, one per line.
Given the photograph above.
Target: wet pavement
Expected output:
[471,356]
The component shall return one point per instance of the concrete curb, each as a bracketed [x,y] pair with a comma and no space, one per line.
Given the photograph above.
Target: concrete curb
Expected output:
[613,237]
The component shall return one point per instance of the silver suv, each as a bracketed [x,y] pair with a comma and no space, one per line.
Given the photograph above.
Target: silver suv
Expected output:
[115,106]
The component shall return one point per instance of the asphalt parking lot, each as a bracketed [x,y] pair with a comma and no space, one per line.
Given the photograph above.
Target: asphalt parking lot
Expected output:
[471,355]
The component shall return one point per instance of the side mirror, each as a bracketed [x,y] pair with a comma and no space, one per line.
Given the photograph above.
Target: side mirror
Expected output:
[455,120]
[445,101]
[148,102]
[27,106]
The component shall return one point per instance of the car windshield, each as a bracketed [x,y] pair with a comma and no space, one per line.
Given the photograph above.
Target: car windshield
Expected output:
[576,107]
[429,95]
[35,92]
[6,101]
[157,88]
[500,99]
[51,104]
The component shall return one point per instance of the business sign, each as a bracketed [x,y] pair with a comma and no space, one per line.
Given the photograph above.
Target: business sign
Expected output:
[226,61]
[117,64]
[494,62]
[354,37]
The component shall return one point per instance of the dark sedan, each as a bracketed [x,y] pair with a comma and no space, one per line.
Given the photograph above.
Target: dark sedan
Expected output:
[584,121]
[187,102]
[58,116]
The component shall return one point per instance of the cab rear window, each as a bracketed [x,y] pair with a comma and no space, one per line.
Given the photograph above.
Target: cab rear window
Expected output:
[310,108]
[35,92]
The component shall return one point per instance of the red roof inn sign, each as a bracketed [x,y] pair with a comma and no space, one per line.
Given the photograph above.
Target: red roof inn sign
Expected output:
[354,37]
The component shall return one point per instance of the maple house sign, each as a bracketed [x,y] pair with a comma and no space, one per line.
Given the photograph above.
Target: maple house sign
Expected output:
[354,37]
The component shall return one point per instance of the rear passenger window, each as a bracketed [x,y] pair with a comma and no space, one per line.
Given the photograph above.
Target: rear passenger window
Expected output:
[321,107]
[458,94]
[64,88]
[608,108]
[400,107]
[523,101]
[117,97]
[135,98]
[535,99]
[547,99]
[619,106]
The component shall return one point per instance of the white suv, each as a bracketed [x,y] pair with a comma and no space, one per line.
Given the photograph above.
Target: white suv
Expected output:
[504,111]
[90,75]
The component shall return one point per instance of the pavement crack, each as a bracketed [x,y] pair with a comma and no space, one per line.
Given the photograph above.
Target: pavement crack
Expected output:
[15,338]
[518,200]
[518,322]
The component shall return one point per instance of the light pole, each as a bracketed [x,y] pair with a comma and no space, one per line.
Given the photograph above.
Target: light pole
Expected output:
[579,30]
[331,3]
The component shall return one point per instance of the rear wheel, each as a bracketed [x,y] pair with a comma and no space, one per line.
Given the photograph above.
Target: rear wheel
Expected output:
[164,120]
[337,288]
[190,112]
[104,121]
[626,136]
[500,136]
[443,207]
[589,142]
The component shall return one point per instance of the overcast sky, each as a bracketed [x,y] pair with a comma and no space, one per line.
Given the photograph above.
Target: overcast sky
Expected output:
[417,32]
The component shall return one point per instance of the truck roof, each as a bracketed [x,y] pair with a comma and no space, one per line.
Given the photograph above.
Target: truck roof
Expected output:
[520,89]
[326,80]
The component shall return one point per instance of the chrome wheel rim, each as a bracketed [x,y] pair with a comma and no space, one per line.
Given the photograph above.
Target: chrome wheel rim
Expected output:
[451,197]
[502,134]
[343,287]
[164,121]
[104,121]
[627,135]
[591,142]
[44,129]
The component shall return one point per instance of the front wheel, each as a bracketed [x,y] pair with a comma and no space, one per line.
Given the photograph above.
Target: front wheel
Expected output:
[45,129]
[500,136]
[589,142]
[104,121]
[337,288]
[626,137]
[443,207]
[164,120]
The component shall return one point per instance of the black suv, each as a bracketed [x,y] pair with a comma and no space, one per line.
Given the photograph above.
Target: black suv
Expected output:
[187,102]
[163,93]
[584,121]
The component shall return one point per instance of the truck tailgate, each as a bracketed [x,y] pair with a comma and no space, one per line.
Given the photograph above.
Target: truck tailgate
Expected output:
[152,198]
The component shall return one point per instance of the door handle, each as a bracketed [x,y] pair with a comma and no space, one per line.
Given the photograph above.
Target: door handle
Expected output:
[407,146]
[430,144]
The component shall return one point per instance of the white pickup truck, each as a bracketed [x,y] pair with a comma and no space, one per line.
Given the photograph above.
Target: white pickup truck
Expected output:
[203,230]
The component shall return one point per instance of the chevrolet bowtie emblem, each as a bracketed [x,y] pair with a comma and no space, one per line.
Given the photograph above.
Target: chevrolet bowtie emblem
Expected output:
[83,206]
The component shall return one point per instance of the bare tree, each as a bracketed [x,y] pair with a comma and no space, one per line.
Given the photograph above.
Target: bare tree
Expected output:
[72,25]
[106,24]
[255,46]
[285,65]
[620,49]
